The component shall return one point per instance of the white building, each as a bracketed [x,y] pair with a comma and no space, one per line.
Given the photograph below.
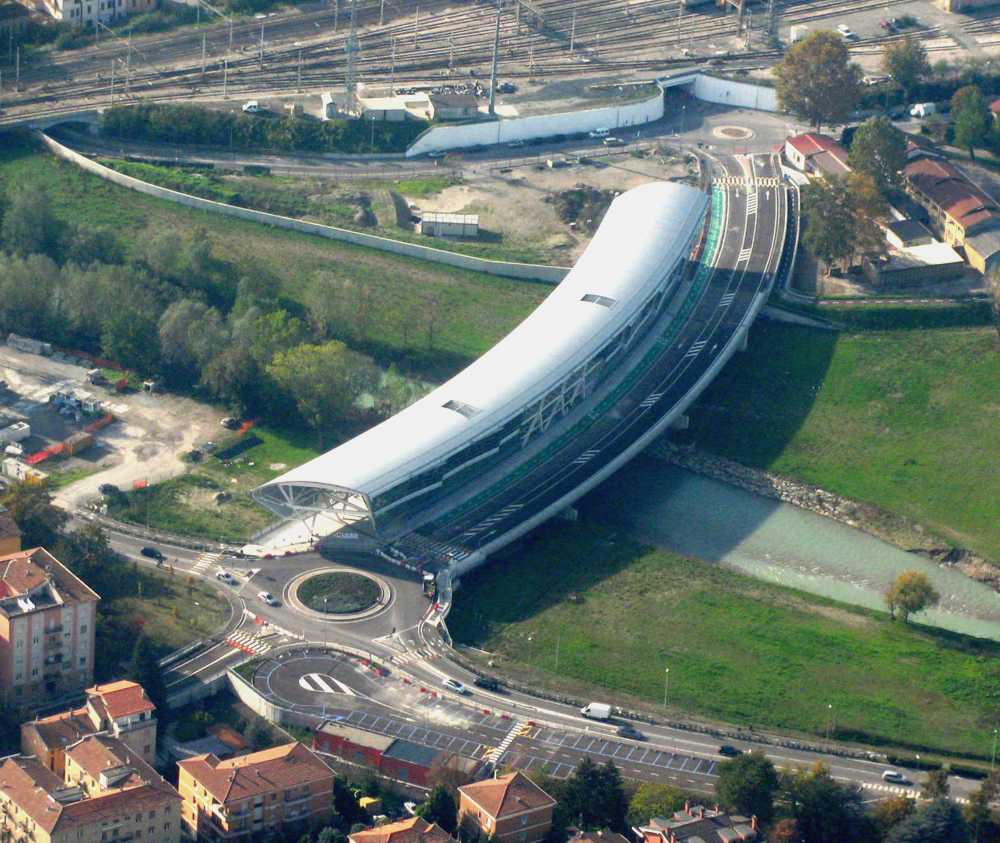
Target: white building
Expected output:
[107,12]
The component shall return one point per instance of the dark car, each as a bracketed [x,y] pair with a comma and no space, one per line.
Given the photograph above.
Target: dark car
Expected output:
[487,682]
[729,751]
[109,489]
[627,730]
[153,553]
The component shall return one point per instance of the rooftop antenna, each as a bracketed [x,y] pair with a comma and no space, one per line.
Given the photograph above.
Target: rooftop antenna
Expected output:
[496,55]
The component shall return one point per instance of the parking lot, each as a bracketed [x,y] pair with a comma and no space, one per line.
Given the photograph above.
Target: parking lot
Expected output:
[145,442]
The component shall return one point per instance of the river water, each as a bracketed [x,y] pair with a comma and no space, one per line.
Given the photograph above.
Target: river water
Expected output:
[668,507]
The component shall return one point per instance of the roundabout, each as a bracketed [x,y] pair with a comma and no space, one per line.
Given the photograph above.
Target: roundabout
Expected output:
[732,133]
[339,594]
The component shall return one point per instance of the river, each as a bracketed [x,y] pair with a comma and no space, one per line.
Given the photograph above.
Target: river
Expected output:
[669,507]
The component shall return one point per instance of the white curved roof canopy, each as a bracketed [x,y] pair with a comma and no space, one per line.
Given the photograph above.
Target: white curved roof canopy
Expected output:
[643,234]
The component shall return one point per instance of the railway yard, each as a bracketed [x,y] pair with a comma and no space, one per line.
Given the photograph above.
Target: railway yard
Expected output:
[437,42]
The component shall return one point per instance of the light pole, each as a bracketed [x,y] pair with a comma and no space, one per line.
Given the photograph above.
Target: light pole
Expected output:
[829,722]
[666,685]
[993,757]
[325,599]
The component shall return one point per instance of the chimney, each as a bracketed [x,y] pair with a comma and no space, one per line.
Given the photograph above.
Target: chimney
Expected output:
[753,822]
[701,812]
[687,806]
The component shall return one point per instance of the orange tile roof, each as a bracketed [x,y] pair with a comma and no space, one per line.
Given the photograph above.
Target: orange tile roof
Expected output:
[951,191]
[508,794]
[29,570]
[120,699]
[412,830]
[96,754]
[60,730]
[259,772]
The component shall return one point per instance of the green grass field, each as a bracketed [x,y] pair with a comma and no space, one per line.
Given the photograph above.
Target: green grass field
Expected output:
[186,504]
[901,410]
[738,650]
[474,312]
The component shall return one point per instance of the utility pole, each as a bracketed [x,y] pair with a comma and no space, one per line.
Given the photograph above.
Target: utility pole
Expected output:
[680,14]
[298,75]
[225,78]
[230,34]
[17,68]
[204,37]
[336,15]
[128,63]
[496,57]
[572,32]
[112,82]
[262,46]
[381,12]
[416,25]
[352,56]
[749,27]
[392,65]
[451,54]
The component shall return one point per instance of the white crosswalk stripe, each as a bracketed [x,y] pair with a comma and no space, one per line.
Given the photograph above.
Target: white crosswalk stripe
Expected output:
[204,560]
[752,200]
[744,255]
[411,656]
[497,752]
[249,642]
[727,299]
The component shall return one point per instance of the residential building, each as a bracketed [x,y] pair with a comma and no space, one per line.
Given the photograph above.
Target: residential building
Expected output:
[454,106]
[412,830]
[817,154]
[392,757]
[92,12]
[602,836]
[121,709]
[10,534]
[699,825]
[108,794]
[511,807]
[275,791]
[47,623]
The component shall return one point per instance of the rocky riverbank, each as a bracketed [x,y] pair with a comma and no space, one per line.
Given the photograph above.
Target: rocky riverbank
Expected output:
[887,526]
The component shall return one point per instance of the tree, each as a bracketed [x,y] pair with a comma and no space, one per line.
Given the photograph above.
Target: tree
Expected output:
[939,821]
[910,592]
[30,505]
[824,810]
[785,831]
[817,81]
[129,336]
[979,813]
[906,62]
[345,804]
[595,797]
[829,220]
[869,209]
[84,245]
[879,149]
[890,812]
[747,785]
[652,799]
[936,786]
[257,735]
[440,808]
[145,670]
[971,118]
[29,226]
[325,381]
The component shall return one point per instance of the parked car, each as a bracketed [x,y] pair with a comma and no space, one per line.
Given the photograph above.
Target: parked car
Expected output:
[875,79]
[613,142]
[487,682]
[895,777]
[226,577]
[410,808]
[596,711]
[922,109]
[153,553]
[627,730]
[268,598]
[516,144]
[252,107]
[109,489]
[456,686]
[599,133]
[845,31]
[729,751]
[229,423]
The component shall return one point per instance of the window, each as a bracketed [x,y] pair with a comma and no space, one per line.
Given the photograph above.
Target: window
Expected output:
[34,639]
[603,301]
[34,671]
[524,836]
[20,643]
[153,813]
[83,660]
[461,408]
[146,748]
[524,819]
[83,626]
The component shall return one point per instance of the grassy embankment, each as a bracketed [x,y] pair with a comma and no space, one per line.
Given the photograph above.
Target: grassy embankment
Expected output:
[330,203]
[739,650]
[899,411]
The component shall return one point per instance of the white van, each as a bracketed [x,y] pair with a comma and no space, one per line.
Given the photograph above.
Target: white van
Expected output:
[252,107]
[922,109]
[596,711]
[599,133]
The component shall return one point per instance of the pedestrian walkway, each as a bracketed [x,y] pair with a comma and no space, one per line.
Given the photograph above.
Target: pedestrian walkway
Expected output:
[410,656]
[249,642]
[205,560]
[520,727]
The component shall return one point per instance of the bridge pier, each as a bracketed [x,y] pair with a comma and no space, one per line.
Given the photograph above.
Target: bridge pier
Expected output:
[570,513]
[741,343]
[682,422]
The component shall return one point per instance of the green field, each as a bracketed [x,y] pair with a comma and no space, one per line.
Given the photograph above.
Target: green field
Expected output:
[901,410]
[187,504]
[474,310]
[739,650]
[342,592]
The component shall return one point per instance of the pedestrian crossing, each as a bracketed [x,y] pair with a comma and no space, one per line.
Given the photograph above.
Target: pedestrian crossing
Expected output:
[752,200]
[248,642]
[205,560]
[520,727]
[742,181]
[410,656]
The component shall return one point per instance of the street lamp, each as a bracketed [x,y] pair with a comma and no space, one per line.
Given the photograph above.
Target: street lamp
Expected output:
[829,722]
[993,757]
[325,599]
[666,685]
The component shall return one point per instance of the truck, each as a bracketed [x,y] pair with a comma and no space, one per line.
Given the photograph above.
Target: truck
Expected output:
[596,711]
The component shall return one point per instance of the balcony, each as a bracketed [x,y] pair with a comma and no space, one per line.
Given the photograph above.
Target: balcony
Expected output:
[54,630]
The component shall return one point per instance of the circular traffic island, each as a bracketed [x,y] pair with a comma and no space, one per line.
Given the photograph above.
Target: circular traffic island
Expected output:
[339,593]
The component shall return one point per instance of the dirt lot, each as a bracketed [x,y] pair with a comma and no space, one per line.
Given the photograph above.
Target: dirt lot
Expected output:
[517,209]
[145,442]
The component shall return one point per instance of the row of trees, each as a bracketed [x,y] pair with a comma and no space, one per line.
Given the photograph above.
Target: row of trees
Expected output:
[190,124]
[170,307]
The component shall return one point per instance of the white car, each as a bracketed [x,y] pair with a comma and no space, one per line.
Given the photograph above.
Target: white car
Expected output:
[252,107]
[226,577]
[456,686]
[599,133]
[895,777]
[267,597]
[845,31]
[876,79]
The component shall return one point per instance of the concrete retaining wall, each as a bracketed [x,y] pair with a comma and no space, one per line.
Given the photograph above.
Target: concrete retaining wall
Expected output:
[507,269]
[736,94]
[463,136]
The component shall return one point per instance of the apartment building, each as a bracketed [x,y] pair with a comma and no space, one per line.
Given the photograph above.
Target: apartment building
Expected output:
[412,830]
[512,808]
[275,791]
[121,709]
[108,795]
[47,620]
